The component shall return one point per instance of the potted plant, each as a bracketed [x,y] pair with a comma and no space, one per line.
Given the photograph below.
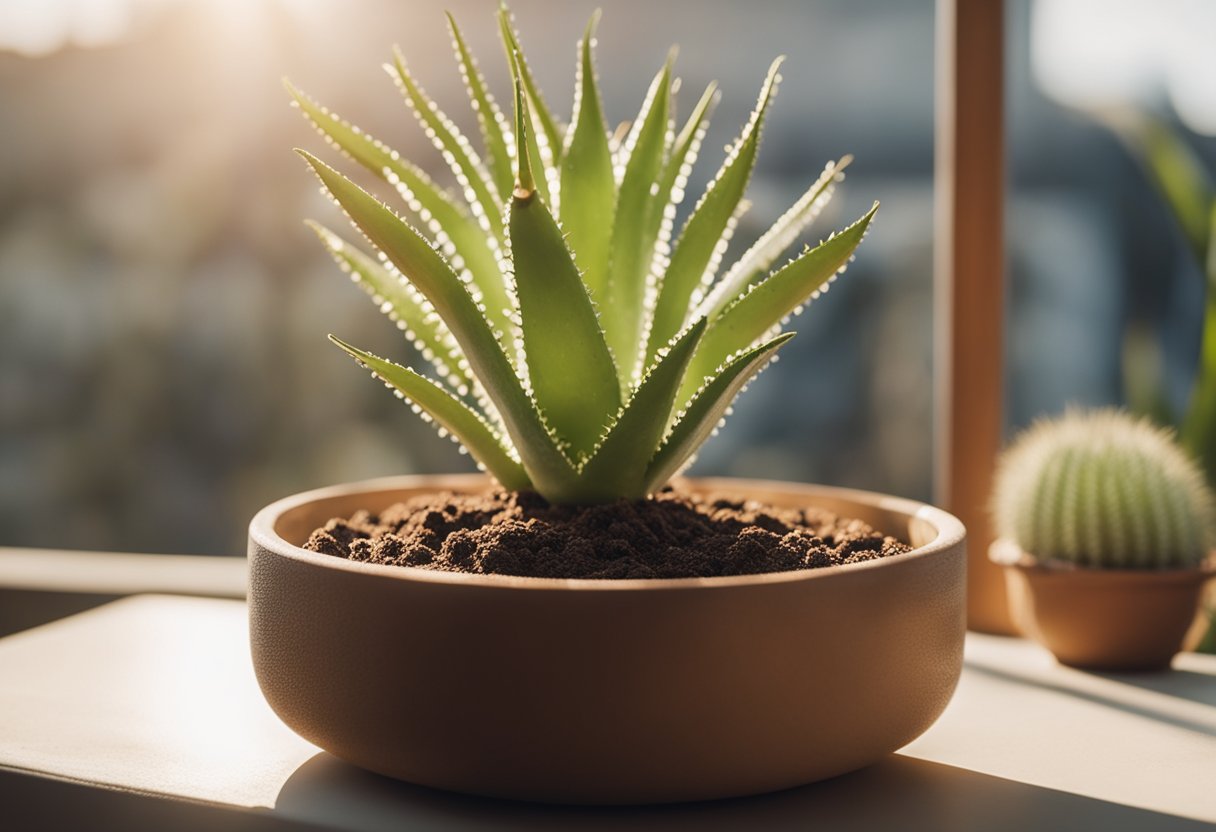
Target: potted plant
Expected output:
[1106,527]
[582,358]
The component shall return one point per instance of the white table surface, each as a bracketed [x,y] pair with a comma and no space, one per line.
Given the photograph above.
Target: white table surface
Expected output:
[155,695]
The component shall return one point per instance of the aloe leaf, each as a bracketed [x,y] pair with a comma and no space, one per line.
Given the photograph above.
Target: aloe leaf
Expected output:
[656,234]
[459,236]
[526,143]
[674,179]
[684,155]
[619,465]
[703,240]
[587,173]
[426,269]
[460,156]
[549,127]
[495,132]
[404,305]
[573,378]
[767,303]
[452,415]
[630,248]
[758,259]
[706,410]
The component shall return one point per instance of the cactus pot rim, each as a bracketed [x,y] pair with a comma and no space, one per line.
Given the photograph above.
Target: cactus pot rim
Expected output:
[1096,618]
[1007,553]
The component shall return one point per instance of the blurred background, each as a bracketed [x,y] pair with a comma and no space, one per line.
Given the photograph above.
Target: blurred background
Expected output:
[163,364]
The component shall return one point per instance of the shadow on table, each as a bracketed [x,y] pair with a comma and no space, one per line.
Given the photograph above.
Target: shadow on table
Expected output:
[1197,689]
[899,793]
[1179,683]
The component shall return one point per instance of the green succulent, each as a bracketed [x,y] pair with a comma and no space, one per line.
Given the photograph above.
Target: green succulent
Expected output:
[1188,190]
[1104,489]
[580,350]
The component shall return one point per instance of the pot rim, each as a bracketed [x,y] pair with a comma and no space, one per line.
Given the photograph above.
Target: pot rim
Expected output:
[950,532]
[1005,552]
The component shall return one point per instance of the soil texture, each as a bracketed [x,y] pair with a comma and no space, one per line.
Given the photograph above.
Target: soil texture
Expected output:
[674,534]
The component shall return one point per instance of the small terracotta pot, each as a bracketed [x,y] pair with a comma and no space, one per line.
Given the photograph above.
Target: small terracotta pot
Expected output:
[1101,619]
[607,691]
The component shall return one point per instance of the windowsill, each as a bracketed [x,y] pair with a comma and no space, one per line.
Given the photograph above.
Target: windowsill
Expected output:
[148,708]
[38,586]
[115,573]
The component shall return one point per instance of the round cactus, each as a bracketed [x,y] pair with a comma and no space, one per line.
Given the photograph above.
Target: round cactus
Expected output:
[1103,489]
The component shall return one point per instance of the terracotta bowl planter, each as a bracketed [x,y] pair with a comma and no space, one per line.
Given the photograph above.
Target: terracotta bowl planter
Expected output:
[600,691]
[1102,619]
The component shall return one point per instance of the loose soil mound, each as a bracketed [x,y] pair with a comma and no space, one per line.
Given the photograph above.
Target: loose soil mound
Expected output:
[672,535]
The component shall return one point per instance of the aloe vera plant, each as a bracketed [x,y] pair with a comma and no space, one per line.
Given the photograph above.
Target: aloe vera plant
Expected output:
[580,348]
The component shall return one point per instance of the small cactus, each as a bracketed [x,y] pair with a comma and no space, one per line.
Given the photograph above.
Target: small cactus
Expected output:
[1103,489]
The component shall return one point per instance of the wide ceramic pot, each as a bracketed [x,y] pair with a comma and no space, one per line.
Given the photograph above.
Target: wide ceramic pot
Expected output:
[1101,619]
[607,691]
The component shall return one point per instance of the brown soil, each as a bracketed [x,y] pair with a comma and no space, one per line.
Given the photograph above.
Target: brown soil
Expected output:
[672,535]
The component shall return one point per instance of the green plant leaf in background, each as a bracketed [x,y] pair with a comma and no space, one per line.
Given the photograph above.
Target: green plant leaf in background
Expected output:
[1198,429]
[1176,171]
[1143,366]
[1185,185]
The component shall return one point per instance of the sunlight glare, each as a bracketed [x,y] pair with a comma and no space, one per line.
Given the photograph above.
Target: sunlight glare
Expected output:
[41,27]
[1102,54]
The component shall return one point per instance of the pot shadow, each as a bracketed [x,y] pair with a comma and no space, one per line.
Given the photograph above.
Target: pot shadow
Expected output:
[898,793]
[1196,690]
[1183,684]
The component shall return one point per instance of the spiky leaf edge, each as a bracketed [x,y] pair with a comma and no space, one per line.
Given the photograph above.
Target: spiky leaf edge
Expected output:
[562,336]
[619,464]
[766,305]
[453,415]
[701,418]
[404,305]
[706,234]
[462,240]
[548,468]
